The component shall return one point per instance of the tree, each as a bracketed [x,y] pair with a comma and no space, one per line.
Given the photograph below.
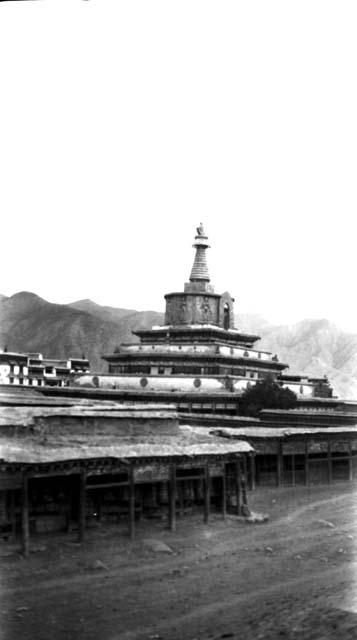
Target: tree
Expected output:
[266,394]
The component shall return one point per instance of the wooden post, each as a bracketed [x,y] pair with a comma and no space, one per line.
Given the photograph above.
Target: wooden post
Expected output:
[279,466]
[99,506]
[25,523]
[172,497]
[82,505]
[69,510]
[13,513]
[329,462]
[350,463]
[180,493]
[252,471]
[238,487]
[224,493]
[207,494]
[307,478]
[131,503]
[244,481]
[293,469]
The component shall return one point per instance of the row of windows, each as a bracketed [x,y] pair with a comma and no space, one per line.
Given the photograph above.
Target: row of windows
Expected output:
[208,407]
[21,368]
[184,369]
[34,381]
[130,368]
[31,381]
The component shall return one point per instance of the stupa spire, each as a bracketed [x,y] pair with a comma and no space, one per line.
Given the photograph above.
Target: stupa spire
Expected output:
[199,271]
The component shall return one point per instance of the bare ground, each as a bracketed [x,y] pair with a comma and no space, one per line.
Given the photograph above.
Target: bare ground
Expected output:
[291,578]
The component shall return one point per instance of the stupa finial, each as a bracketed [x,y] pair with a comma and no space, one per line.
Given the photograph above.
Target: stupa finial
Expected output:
[199,271]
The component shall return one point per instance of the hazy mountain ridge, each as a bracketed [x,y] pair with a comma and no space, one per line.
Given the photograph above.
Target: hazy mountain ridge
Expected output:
[112,314]
[316,347]
[30,323]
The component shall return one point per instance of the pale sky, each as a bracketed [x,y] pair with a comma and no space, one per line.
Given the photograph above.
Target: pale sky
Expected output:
[125,124]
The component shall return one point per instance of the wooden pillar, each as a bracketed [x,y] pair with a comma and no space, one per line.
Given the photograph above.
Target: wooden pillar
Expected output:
[329,462]
[307,478]
[25,522]
[12,513]
[350,463]
[69,510]
[252,471]
[180,494]
[279,465]
[244,481]
[172,497]
[131,503]
[99,506]
[153,497]
[238,487]
[207,493]
[293,469]
[82,505]
[224,493]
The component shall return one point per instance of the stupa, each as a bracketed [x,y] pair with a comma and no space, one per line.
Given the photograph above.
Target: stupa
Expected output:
[197,358]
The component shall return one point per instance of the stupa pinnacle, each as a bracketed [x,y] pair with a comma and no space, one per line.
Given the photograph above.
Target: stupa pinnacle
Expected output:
[199,271]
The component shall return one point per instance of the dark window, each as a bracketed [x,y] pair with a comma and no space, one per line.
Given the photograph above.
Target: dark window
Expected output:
[161,370]
[187,370]
[134,368]
[211,371]
[181,473]
[116,368]
[226,317]
[239,372]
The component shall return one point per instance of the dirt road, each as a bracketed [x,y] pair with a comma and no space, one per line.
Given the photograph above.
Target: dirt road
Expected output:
[293,577]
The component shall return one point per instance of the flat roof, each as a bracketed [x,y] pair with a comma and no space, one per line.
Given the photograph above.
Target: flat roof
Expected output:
[305,413]
[27,415]
[266,432]
[187,443]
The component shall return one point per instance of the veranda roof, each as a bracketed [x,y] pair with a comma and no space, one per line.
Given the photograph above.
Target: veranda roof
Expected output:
[267,432]
[187,443]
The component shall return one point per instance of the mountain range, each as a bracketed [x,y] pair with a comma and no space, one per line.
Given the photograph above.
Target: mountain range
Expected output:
[30,323]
